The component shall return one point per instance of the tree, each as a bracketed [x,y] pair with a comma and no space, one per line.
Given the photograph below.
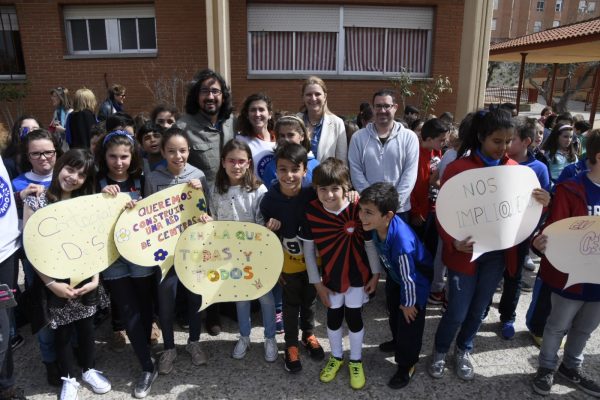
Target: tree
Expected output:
[168,89]
[428,91]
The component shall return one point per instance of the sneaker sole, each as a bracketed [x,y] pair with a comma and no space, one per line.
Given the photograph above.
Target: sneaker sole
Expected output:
[146,392]
[95,390]
[290,370]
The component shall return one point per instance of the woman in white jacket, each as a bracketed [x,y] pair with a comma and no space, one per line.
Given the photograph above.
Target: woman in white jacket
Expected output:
[326,130]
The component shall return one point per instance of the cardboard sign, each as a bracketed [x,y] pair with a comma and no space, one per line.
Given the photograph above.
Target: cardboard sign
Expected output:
[493,205]
[228,261]
[573,247]
[72,239]
[147,234]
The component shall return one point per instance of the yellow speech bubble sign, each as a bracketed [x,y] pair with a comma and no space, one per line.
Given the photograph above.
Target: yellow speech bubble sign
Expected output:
[72,239]
[147,234]
[492,205]
[573,247]
[228,261]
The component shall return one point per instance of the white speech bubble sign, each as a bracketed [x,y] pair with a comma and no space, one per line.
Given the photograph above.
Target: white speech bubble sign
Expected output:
[573,247]
[492,205]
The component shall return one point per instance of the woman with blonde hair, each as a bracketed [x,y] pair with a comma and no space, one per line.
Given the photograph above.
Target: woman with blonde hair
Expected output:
[81,120]
[326,130]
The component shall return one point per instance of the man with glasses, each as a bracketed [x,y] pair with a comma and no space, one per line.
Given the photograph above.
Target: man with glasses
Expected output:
[208,124]
[385,151]
[207,121]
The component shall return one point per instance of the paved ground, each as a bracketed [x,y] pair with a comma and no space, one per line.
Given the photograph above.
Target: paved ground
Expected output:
[503,368]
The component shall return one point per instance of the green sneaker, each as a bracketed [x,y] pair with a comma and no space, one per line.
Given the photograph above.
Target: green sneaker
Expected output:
[330,369]
[357,375]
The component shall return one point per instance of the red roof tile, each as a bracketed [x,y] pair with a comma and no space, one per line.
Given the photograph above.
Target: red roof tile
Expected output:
[579,29]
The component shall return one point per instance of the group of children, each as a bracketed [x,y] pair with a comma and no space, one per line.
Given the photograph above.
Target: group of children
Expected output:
[336,245]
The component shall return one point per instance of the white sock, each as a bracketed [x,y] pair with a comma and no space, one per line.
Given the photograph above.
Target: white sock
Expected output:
[335,341]
[356,341]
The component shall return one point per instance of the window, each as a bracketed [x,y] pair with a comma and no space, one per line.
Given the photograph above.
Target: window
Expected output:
[98,30]
[540,5]
[537,26]
[493,24]
[591,8]
[558,6]
[582,5]
[12,64]
[495,4]
[555,23]
[339,40]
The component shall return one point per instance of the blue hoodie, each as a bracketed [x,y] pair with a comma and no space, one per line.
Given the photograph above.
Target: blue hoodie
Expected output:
[406,261]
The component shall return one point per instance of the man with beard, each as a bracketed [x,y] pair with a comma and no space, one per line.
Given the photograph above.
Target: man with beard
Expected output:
[208,124]
[207,121]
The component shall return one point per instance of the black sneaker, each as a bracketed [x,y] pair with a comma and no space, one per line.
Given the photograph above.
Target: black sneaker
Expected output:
[16,342]
[543,380]
[314,347]
[144,383]
[401,378]
[292,360]
[53,374]
[388,347]
[580,379]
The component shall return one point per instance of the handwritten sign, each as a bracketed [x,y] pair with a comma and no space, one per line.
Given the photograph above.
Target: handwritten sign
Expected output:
[493,205]
[573,247]
[228,261]
[147,234]
[72,239]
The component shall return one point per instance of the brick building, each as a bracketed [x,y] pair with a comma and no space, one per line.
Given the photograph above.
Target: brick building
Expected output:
[513,19]
[354,45]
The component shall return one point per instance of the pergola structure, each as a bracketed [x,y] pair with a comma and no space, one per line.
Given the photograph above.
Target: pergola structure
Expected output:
[573,43]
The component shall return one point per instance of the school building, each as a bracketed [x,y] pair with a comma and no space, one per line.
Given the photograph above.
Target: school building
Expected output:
[154,48]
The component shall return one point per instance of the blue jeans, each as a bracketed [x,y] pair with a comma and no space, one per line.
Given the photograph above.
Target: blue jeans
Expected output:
[267,307]
[468,298]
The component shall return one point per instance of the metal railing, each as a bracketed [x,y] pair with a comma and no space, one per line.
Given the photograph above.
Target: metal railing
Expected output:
[499,95]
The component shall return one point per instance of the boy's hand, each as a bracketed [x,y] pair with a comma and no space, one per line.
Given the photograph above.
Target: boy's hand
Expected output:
[371,286]
[195,183]
[352,196]
[273,224]
[465,246]
[323,293]
[540,243]
[113,190]
[204,218]
[541,196]
[410,313]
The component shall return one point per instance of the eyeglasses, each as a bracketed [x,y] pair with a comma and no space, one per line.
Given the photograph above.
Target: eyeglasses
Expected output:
[383,106]
[120,95]
[36,155]
[234,162]
[165,121]
[214,92]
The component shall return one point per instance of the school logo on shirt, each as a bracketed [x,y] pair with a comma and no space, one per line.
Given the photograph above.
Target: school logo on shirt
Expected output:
[262,164]
[5,197]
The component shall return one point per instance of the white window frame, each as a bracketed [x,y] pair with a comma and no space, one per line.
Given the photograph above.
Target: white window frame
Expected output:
[495,4]
[494,22]
[111,16]
[340,55]
[591,7]
[555,23]
[540,5]
[558,6]
[537,24]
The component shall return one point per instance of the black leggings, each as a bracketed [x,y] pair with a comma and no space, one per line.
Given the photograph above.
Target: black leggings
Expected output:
[85,340]
[133,298]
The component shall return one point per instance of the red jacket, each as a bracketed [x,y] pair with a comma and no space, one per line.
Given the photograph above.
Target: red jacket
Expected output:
[457,260]
[570,200]
[419,197]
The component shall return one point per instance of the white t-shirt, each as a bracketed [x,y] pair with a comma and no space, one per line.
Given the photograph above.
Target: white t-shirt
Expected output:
[262,152]
[9,221]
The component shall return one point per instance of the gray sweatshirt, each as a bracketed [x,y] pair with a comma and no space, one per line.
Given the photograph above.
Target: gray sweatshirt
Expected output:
[161,178]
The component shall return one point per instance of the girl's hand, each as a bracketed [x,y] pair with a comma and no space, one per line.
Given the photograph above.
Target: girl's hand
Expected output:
[204,218]
[540,243]
[410,313]
[352,196]
[62,290]
[131,204]
[195,183]
[87,288]
[113,190]
[541,196]
[371,286]
[465,246]
[273,224]
[323,293]
[32,188]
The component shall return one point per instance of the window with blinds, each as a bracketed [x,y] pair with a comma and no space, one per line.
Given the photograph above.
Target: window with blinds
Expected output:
[339,40]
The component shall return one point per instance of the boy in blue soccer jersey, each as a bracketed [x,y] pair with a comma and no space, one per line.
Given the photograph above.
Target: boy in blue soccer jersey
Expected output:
[408,266]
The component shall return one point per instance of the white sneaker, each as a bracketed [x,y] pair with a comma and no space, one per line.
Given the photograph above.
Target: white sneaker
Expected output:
[96,381]
[241,347]
[69,389]
[271,350]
